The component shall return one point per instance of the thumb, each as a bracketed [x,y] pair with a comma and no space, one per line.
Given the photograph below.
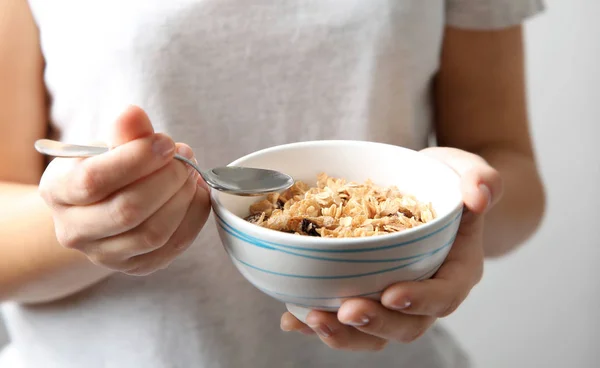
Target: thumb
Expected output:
[132,124]
[481,184]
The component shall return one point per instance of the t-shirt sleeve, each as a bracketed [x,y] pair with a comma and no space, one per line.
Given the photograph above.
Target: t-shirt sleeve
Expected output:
[490,14]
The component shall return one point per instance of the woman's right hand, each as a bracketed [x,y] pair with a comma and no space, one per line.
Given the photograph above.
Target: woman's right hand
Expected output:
[133,209]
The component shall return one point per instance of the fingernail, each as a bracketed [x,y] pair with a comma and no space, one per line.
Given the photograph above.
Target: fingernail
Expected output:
[400,304]
[487,193]
[322,330]
[163,145]
[186,152]
[358,322]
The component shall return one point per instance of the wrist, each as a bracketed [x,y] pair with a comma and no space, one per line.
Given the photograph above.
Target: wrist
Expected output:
[34,268]
[519,213]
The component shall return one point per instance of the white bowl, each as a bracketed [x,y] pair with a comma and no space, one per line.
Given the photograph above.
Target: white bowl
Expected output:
[320,273]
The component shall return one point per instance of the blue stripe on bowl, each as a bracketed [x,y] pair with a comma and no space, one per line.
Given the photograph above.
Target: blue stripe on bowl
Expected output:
[259,243]
[344,250]
[317,298]
[340,276]
[429,271]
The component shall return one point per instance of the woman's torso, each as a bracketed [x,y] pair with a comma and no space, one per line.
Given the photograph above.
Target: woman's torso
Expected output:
[227,77]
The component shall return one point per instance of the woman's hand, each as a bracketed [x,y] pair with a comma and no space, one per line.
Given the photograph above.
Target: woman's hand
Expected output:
[408,309]
[133,209]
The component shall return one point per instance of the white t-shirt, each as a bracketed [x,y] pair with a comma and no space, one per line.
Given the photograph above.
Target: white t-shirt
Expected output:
[229,77]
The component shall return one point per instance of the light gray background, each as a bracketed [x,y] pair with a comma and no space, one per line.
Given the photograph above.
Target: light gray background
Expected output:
[538,307]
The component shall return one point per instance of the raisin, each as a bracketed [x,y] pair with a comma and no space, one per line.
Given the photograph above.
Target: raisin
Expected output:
[279,204]
[406,212]
[309,228]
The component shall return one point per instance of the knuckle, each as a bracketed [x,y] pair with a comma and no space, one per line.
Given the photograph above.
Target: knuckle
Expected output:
[108,258]
[140,265]
[153,237]
[125,213]
[102,259]
[67,237]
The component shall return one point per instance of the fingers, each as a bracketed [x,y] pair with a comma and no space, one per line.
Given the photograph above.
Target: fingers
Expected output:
[123,210]
[86,181]
[193,221]
[132,124]
[339,336]
[137,152]
[372,318]
[436,298]
[408,309]
[115,252]
[443,294]
[132,208]
[291,323]
[361,324]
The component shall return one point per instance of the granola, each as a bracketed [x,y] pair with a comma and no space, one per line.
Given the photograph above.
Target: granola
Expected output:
[339,209]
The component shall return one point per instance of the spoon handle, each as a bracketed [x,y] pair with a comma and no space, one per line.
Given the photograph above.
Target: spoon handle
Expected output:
[59,149]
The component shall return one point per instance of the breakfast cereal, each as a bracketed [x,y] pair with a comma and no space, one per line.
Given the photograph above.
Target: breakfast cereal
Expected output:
[339,209]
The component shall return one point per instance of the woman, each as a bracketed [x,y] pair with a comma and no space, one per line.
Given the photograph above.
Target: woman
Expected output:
[111,262]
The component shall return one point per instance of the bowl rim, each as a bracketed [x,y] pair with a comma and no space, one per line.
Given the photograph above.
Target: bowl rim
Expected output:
[266,233]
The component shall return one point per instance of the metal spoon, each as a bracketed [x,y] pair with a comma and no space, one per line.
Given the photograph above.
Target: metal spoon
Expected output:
[243,181]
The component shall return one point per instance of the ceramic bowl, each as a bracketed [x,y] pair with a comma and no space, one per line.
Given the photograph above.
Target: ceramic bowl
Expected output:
[306,272]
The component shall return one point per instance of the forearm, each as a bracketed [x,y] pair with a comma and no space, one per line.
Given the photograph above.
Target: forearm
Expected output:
[482,108]
[519,212]
[34,268]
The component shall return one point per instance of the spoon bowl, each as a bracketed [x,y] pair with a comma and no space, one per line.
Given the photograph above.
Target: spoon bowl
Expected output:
[242,181]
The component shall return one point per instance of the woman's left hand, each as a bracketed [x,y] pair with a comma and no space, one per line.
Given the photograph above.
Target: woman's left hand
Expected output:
[408,309]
